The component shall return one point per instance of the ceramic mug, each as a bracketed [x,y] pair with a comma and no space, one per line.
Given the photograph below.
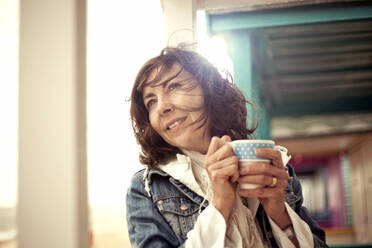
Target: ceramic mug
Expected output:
[245,151]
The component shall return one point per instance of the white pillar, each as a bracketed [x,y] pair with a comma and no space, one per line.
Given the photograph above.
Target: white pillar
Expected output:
[180,21]
[52,206]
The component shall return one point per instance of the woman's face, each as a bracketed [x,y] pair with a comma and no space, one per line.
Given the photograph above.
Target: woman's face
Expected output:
[173,108]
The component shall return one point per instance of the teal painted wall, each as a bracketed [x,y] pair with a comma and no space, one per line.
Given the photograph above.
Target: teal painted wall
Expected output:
[283,17]
[245,79]
[236,27]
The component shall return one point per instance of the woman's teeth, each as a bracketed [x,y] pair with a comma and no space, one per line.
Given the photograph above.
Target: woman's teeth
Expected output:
[174,125]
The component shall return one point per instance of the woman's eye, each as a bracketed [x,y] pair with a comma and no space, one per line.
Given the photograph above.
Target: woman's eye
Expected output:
[150,103]
[173,86]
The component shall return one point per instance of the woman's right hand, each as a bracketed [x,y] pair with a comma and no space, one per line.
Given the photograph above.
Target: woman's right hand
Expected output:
[222,167]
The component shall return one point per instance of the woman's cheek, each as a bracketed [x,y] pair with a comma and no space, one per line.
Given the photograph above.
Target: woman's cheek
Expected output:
[154,122]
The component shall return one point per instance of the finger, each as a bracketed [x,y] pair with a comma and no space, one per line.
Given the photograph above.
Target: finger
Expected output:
[261,168]
[273,193]
[222,173]
[222,163]
[226,138]
[256,179]
[235,177]
[274,155]
[230,161]
[214,145]
[223,152]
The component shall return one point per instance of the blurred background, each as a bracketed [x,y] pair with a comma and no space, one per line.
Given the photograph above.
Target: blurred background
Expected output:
[67,151]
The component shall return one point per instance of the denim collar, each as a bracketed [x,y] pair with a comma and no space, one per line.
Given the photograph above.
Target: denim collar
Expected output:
[180,169]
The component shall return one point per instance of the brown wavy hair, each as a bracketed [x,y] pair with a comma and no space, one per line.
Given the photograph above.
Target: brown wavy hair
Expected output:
[224,104]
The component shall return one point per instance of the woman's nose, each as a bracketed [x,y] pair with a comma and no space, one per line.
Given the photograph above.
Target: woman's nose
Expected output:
[164,106]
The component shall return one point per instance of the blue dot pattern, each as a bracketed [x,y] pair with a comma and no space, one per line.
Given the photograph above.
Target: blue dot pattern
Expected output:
[246,150]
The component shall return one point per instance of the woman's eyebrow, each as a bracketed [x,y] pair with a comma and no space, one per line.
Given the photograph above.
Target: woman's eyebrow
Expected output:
[148,96]
[166,82]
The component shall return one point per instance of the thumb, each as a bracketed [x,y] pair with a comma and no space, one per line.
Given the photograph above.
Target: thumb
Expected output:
[226,138]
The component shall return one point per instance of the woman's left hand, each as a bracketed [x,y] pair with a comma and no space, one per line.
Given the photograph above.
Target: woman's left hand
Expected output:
[272,197]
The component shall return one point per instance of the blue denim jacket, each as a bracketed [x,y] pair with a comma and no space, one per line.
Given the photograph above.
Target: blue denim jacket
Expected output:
[164,217]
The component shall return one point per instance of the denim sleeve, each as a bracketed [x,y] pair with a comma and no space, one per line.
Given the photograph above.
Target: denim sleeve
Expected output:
[146,226]
[318,232]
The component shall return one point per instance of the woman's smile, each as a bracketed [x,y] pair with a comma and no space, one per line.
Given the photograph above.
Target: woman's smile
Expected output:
[175,124]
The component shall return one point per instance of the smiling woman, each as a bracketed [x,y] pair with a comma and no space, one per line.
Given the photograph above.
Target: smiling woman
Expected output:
[184,115]
[181,86]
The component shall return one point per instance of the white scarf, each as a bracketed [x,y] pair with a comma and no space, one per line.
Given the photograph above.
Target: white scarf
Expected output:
[241,218]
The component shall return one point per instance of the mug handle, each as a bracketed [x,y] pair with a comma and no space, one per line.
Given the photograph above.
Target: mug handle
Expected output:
[283,151]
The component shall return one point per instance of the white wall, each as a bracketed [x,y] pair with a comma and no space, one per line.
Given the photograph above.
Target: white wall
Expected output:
[180,21]
[8,101]
[52,208]
[121,37]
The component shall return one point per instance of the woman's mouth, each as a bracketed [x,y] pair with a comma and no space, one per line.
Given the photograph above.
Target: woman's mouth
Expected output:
[175,123]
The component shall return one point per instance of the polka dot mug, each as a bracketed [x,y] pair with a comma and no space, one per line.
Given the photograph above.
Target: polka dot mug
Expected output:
[245,151]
